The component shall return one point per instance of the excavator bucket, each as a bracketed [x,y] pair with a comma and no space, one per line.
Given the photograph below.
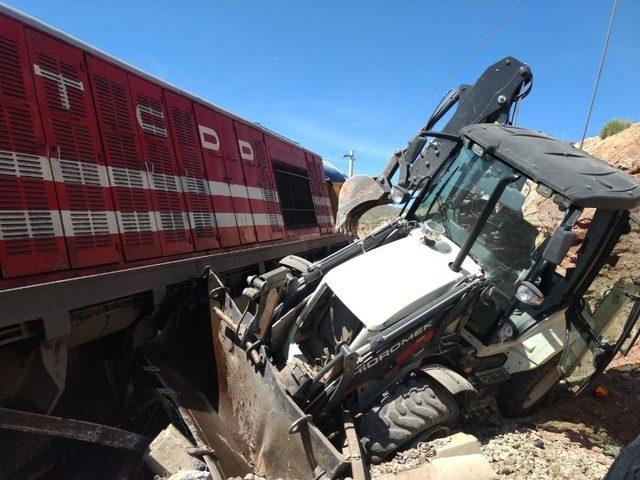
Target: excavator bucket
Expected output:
[358,194]
[272,432]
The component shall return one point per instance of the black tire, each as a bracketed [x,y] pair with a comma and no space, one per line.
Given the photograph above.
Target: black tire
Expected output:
[412,407]
[513,396]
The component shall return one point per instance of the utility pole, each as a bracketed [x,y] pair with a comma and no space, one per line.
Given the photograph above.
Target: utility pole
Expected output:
[352,159]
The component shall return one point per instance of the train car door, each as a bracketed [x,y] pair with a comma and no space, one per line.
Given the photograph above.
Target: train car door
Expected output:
[124,158]
[71,132]
[31,235]
[315,191]
[260,184]
[324,193]
[195,184]
[210,135]
[236,179]
[162,170]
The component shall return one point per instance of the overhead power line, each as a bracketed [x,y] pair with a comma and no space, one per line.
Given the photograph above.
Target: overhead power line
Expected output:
[438,87]
[602,59]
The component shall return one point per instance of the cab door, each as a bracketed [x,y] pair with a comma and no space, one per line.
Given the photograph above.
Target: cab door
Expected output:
[604,322]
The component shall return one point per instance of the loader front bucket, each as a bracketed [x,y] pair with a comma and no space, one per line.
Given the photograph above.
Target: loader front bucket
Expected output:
[274,434]
[359,194]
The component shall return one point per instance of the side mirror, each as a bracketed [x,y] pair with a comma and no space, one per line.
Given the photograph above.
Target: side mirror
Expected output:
[559,244]
[529,294]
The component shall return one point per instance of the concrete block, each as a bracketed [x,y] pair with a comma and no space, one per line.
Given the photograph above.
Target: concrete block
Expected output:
[462,467]
[190,475]
[457,457]
[459,444]
[167,453]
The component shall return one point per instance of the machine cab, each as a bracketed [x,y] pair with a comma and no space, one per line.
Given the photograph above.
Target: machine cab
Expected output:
[557,237]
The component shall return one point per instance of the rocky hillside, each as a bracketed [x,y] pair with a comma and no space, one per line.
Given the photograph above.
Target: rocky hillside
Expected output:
[621,150]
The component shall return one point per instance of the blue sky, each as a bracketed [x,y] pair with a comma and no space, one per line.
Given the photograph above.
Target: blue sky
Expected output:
[335,75]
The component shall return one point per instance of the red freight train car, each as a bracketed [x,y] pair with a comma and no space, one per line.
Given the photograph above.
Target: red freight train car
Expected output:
[103,167]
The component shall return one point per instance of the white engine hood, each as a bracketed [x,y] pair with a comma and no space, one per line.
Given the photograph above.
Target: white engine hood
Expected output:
[385,284]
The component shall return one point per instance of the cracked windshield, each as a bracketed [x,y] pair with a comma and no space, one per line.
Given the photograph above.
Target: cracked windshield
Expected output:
[508,244]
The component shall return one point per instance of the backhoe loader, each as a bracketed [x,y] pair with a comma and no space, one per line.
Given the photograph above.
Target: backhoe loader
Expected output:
[465,305]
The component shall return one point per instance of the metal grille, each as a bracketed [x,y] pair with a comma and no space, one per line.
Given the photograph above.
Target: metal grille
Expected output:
[136,221]
[16,129]
[74,140]
[295,195]
[121,150]
[111,99]
[184,127]
[25,232]
[22,165]
[23,224]
[21,178]
[168,183]
[123,177]
[80,172]
[173,224]
[89,223]
[268,188]
[195,185]
[137,228]
[11,79]
[203,223]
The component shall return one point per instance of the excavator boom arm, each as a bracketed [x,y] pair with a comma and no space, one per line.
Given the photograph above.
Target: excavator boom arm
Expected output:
[489,100]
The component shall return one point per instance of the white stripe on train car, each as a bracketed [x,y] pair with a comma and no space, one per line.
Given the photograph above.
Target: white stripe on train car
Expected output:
[24,165]
[87,173]
[19,224]
[263,219]
[50,223]
[77,223]
[225,220]
[164,182]
[198,186]
[79,173]
[244,219]
[220,189]
[325,219]
[323,201]
[128,178]
[132,222]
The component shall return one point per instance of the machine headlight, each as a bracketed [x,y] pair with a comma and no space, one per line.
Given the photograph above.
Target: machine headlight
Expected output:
[529,294]
[397,195]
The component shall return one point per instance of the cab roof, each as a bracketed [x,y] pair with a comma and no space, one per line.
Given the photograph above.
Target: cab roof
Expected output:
[585,180]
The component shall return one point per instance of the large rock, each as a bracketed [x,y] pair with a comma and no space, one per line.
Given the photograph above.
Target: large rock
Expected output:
[168,453]
[457,457]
